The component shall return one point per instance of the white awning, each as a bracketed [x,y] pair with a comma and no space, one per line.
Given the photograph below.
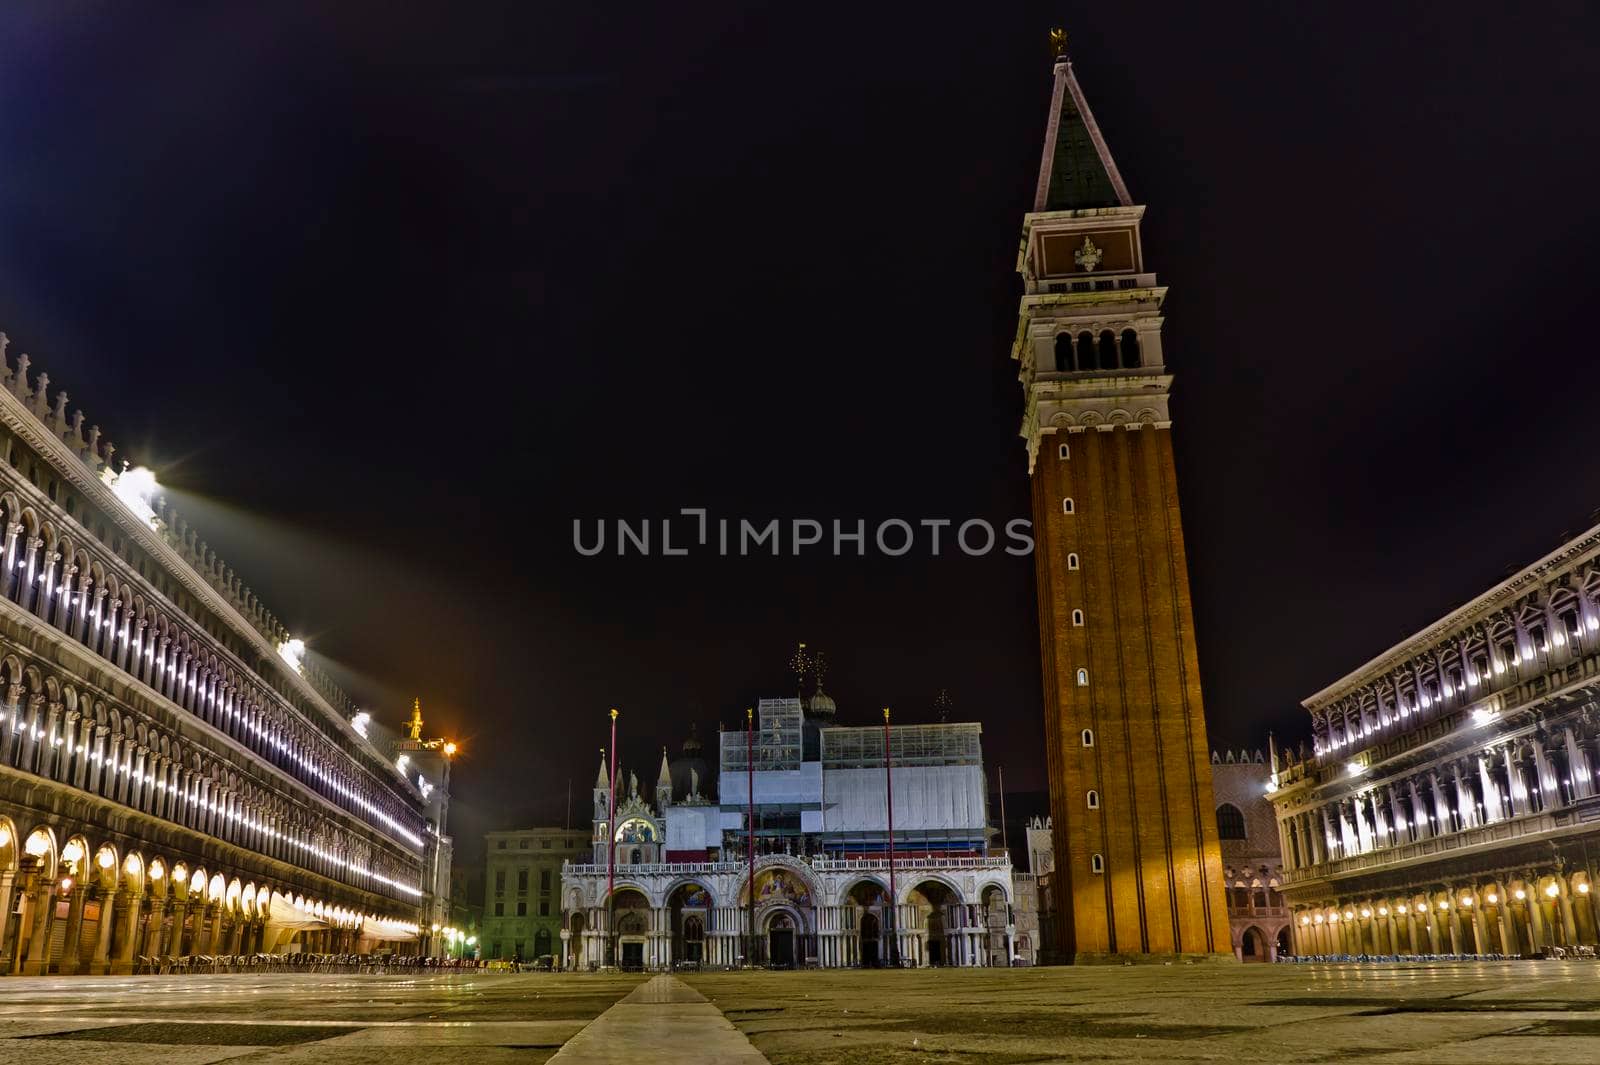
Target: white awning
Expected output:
[282,913]
[387,930]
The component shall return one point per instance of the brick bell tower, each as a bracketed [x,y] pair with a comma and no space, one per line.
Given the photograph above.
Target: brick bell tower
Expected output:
[1138,869]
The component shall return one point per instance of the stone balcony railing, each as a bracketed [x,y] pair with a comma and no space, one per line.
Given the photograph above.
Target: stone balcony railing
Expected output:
[1495,833]
[845,865]
[821,865]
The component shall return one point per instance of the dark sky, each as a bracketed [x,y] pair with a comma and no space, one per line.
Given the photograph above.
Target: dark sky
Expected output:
[390,296]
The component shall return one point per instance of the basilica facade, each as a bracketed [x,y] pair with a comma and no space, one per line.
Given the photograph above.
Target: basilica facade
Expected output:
[789,860]
[1449,803]
[175,778]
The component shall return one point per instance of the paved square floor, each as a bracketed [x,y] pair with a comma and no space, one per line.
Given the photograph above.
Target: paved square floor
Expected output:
[1547,1012]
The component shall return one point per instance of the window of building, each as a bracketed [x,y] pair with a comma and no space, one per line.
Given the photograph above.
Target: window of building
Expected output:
[1092,799]
[1066,505]
[500,882]
[1088,737]
[522,881]
[1230,822]
[522,909]
[1063,353]
[499,844]
[499,909]
[1097,863]
[1065,452]
[544,880]
[1569,622]
[1077,618]
[519,950]
[544,907]
[522,844]
[1083,678]
[544,844]
[1130,349]
[1072,561]
[494,950]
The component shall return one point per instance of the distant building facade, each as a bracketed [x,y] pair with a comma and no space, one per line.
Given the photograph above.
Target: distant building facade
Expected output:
[522,891]
[1138,868]
[817,889]
[175,779]
[1258,918]
[1449,802]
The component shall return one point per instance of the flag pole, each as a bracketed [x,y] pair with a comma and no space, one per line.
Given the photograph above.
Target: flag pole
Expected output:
[750,838]
[611,843]
[888,777]
[1005,845]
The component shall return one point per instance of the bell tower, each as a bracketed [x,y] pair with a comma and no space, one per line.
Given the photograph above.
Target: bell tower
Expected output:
[1137,865]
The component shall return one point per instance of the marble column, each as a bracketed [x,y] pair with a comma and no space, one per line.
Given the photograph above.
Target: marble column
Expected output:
[130,933]
[71,948]
[42,901]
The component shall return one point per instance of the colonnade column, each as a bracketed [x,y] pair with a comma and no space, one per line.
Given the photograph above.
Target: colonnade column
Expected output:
[42,900]
[102,946]
[8,879]
[130,932]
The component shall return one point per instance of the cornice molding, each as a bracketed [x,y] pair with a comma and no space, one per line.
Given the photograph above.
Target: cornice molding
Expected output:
[20,420]
[1570,555]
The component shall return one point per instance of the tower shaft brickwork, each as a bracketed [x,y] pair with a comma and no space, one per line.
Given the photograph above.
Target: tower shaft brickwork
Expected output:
[1138,865]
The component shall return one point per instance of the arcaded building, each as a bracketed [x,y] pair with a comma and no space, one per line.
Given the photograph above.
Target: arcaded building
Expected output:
[786,860]
[1448,804]
[1138,870]
[175,779]
[1258,918]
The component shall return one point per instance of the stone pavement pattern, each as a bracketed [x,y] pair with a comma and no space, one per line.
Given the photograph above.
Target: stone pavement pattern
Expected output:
[1449,1014]
[662,1021]
[187,1020]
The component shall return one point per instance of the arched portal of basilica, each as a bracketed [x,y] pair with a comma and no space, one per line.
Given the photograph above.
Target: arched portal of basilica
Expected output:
[820,893]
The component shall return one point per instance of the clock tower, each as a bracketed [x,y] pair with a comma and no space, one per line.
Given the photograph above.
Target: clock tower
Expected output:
[1138,869]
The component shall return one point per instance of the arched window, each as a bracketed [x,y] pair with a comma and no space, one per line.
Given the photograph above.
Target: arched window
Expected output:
[1083,678]
[1086,360]
[1097,864]
[1088,737]
[1230,822]
[1063,353]
[1066,505]
[1077,618]
[1130,349]
[1072,561]
[1108,350]
[1064,452]
[1092,799]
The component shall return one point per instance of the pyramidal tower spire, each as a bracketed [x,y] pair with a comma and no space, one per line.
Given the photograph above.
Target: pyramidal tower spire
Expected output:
[1138,864]
[1077,170]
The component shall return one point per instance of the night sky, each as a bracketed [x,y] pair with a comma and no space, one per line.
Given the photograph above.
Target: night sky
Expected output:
[389,298]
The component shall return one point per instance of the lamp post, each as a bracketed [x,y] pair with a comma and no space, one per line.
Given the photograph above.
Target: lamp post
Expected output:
[611,845]
[888,777]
